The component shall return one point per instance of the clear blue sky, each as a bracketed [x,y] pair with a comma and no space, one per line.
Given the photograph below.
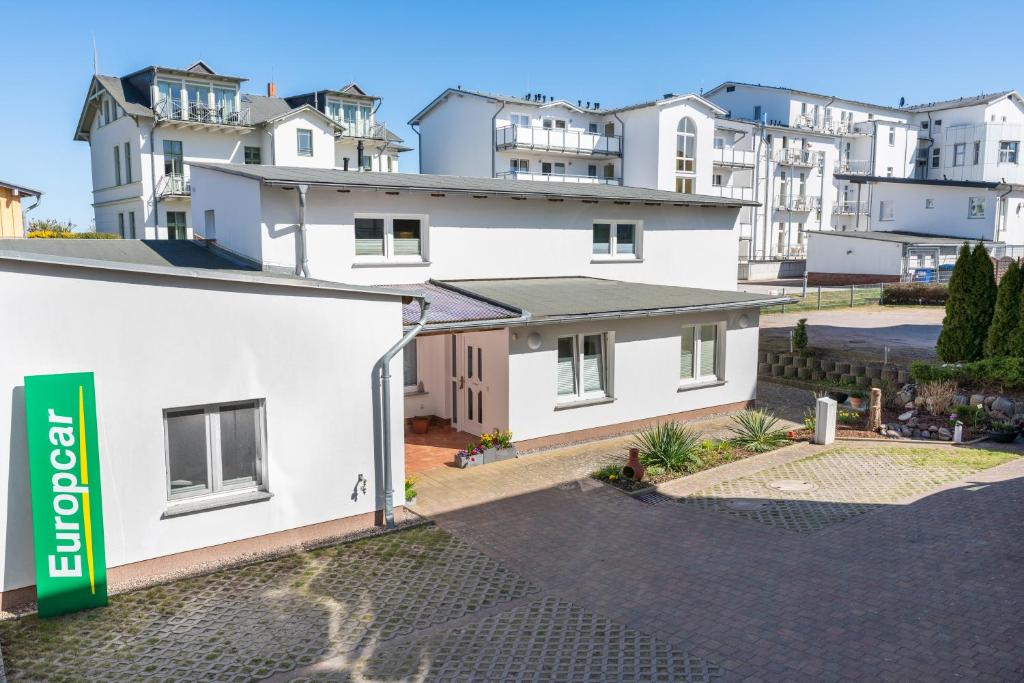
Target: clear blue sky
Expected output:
[613,52]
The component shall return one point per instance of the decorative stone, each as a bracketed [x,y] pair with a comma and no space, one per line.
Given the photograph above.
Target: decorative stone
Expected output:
[906,416]
[916,434]
[945,433]
[818,375]
[977,399]
[989,400]
[960,399]
[827,365]
[925,434]
[1003,405]
[907,432]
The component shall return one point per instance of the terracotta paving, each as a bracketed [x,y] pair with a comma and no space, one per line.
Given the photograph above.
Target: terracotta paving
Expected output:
[436,448]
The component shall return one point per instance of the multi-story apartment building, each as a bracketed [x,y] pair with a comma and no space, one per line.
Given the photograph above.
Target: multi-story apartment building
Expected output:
[145,128]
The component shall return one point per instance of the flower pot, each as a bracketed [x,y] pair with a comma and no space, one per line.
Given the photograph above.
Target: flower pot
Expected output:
[1002,437]
[464,460]
[837,396]
[855,402]
[497,454]
[420,425]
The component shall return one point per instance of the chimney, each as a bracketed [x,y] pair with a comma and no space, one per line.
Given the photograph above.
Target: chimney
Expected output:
[271,89]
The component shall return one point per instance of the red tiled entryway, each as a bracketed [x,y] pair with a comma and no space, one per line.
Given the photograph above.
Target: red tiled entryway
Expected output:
[436,448]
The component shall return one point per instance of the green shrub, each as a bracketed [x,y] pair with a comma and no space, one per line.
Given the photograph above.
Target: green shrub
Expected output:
[410,488]
[1005,320]
[669,445]
[60,234]
[757,431]
[969,306]
[800,336]
[972,416]
[607,473]
[1000,373]
[914,294]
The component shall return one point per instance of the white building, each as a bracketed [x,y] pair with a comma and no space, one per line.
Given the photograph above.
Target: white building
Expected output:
[183,342]
[562,311]
[145,129]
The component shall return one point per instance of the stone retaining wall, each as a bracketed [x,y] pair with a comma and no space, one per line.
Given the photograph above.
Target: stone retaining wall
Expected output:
[807,368]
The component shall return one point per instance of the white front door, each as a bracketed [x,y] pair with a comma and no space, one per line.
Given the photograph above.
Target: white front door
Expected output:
[468,394]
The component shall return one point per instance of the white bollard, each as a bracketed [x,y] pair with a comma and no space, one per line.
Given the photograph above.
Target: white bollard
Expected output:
[825,421]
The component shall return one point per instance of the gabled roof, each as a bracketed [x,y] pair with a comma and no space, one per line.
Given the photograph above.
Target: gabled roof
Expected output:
[808,93]
[121,91]
[263,108]
[964,101]
[417,182]
[201,67]
[306,108]
[21,189]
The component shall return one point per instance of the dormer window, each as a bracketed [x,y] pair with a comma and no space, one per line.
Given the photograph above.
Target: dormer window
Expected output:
[333,109]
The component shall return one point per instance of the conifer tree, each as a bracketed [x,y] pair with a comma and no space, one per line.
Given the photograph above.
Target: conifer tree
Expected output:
[1006,319]
[984,303]
[954,339]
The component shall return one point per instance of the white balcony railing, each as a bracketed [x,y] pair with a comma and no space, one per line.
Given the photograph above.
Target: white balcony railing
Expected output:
[822,125]
[174,185]
[730,156]
[851,208]
[374,130]
[857,166]
[559,178]
[794,156]
[797,202]
[558,140]
[732,192]
[195,112]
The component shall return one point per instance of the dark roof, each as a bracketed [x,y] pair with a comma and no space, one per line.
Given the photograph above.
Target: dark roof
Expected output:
[899,236]
[176,258]
[21,189]
[984,98]
[263,108]
[802,92]
[444,183]
[557,298]
[199,68]
[451,309]
[854,178]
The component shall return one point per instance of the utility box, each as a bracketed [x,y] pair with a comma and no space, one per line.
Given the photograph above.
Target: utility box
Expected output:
[825,421]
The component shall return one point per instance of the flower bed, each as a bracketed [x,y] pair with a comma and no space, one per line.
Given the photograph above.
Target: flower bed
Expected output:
[712,454]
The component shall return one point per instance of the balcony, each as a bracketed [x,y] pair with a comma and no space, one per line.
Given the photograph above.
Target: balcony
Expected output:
[558,178]
[732,192]
[797,203]
[368,129]
[174,185]
[853,166]
[562,140]
[826,125]
[201,115]
[730,156]
[792,156]
[850,208]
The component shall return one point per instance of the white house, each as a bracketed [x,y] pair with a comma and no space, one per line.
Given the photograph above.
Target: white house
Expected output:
[562,311]
[183,344]
[145,129]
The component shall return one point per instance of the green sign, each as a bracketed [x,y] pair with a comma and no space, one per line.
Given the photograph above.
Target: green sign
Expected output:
[67,509]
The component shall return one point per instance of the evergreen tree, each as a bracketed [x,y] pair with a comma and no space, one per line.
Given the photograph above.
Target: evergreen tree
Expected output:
[984,300]
[954,339]
[1006,319]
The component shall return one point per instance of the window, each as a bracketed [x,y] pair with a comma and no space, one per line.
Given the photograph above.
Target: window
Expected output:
[684,185]
[936,157]
[592,170]
[131,225]
[757,112]
[959,153]
[106,110]
[549,168]
[699,357]
[592,128]
[348,113]
[938,123]
[253,155]
[615,240]
[929,203]
[892,137]
[519,165]
[174,160]
[888,171]
[369,236]
[127,162]
[583,367]
[520,120]
[304,140]
[176,227]
[120,225]
[716,180]
[975,207]
[686,146]
[406,233]
[977,152]
[214,449]
[117,165]
[390,236]
[719,143]
[1008,151]
[409,370]
[886,210]
[391,164]
[333,109]
[367,162]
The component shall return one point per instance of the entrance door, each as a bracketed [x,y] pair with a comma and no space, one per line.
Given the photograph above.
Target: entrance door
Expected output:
[468,363]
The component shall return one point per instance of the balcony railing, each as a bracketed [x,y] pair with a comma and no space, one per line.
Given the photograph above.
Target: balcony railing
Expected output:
[364,129]
[822,125]
[797,202]
[851,208]
[558,140]
[195,112]
[857,166]
[792,156]
[559,178]
[733,192]
[174,185]
[729,156]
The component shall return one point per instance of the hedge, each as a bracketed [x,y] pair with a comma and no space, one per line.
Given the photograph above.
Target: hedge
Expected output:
[1006,372]
[914,293]
[61,235]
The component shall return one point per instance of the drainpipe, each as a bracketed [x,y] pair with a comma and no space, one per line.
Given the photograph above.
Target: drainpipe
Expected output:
[39,199]
[385,409]
[1001,209]
[152,171]
[757,173]
[359,155]
[419,147]
[622,150]
[302,260]
[494,141]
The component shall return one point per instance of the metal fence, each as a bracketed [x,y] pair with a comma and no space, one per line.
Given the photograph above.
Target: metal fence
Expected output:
[822,298]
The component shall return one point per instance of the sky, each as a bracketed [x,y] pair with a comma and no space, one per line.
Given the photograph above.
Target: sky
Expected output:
[407,53]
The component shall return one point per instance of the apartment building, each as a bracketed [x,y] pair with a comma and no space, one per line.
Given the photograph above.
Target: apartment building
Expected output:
[145,129]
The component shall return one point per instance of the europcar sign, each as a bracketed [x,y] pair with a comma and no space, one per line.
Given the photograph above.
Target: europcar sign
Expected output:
[67,508]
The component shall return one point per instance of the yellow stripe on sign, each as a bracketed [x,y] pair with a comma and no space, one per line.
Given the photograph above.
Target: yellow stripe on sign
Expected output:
[83,456]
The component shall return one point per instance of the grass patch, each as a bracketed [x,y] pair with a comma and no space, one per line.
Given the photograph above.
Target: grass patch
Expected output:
[970,459]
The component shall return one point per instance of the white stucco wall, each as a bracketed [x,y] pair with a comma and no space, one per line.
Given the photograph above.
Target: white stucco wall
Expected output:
[833,253]
[456,137]
[156,343]
[948,218]
[285,141]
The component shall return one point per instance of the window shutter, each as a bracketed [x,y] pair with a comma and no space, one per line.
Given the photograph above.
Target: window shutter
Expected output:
[686,354]
[593,363]
[708,350]
[566,366]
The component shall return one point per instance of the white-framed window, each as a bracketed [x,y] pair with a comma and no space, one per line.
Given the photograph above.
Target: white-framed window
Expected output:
[936,157]
[367,162]
[519,120]
[304,142]
[552,168]
[616,239]
[888,171]
[592,128]
[975,207]
[557,124]
[929,203]
[410,367]
[892,136]
[686,146]
[719,143]
[584,366]
[117,165]
[886,210]
[215,449]
[684,184]
[1008,151]
[960,154]
[977,152]
[519,165]
[398,237]
[120,225]
[592,170]
[127,162]
[716,180]
[700,353]
[131,224]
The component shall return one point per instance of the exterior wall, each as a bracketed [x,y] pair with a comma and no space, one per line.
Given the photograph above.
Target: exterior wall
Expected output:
[236,207]
[456,137]
[193,343]
[491,238]
[110,198]
[645,377]
[285,142]
[949,218]
[11,222]
[833,253]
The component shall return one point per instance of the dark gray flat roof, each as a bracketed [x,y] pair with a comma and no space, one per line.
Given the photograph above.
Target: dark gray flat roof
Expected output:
[416,182]
[176,258]
[854,178]
[900,236]
[546,299]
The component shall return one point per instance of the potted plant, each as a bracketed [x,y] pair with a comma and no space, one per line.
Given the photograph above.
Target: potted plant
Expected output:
[410,491]
[470,457]
[497,445]
[856,399]
[1001,432]
[420,424]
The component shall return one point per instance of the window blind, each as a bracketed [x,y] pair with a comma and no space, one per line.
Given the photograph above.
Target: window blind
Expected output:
[602,238]
[593,363]
[708,350]
[566,366]
[369,236]
[686,354]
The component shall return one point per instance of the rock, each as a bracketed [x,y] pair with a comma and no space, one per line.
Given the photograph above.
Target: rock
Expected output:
[916,434]
[892,433]
[960,400]
[1003,405]
[913,422]
[906,416]
[907,432]
[944,433]
[989,400]
[977,399]
[926,434]
[909,405]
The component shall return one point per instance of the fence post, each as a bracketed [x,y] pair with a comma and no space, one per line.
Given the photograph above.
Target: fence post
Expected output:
[851,295]
[881,293]
[804,295]
[783,305]
[819,297]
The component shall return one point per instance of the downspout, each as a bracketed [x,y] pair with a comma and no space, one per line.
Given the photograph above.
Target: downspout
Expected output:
[622,149]
[494,140]
[385,410]
[302,260]
[928,149]
[1001,210]
[757,173]
[419,147]
[39,199]
[152,171]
